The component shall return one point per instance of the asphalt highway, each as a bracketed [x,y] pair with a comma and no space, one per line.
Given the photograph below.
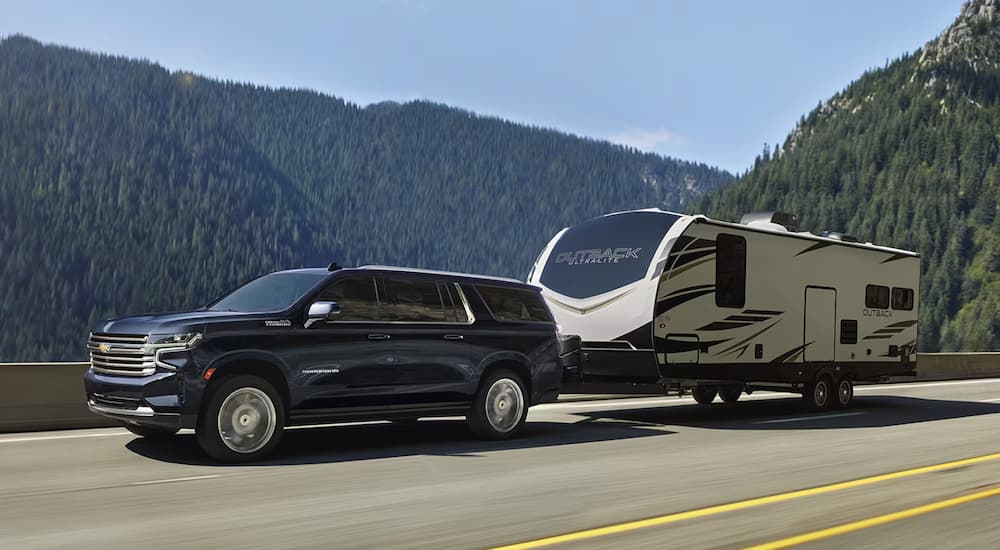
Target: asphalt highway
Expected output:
[911,465]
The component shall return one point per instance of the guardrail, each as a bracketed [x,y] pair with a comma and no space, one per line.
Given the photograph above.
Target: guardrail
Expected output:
[50,396]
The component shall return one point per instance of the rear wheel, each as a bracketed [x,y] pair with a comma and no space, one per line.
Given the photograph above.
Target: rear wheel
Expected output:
[845,393]
[704,394]
[243,421]
[817,396]
[151,432]
[730,394]
[500,407]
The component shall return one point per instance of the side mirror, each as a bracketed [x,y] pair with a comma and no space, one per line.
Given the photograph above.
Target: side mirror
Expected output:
[321,311]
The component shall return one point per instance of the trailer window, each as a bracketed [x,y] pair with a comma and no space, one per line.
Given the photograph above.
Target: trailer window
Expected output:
[877,297]
[730,270]
[848,331]
[514,304]
[902,298]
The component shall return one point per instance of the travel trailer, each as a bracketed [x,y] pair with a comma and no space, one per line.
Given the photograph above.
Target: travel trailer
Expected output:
[721,308]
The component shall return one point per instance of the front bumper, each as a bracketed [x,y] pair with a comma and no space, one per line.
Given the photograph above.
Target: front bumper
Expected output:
[154,400]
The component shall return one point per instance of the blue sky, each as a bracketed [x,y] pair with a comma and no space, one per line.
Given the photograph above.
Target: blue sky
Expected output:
[709,81]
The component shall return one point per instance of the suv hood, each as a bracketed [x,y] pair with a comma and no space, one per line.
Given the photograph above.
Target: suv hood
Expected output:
[168,323]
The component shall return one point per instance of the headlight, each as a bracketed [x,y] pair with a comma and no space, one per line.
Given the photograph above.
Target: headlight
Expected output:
[186,339]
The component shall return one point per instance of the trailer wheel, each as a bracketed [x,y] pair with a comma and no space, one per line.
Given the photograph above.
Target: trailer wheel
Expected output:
[817,395]
[704,394]
[730,394]
[845,393]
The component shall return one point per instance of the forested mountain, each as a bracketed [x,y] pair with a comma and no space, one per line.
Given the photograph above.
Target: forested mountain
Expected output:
[907,156]
[127,188]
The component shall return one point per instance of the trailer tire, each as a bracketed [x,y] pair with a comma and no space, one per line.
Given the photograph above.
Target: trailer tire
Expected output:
[817,395]
[730,394]
[704,394]
[844,393]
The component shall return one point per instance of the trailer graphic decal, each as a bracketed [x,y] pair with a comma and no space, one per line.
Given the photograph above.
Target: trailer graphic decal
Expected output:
[890,330]
[792,354]
[745,343]
[816,246]
[681,296]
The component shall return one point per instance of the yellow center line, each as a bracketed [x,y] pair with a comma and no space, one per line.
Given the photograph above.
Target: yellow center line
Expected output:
[878,520]
[742,505]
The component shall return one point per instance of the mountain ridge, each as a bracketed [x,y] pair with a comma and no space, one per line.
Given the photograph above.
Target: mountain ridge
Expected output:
[125,188]
[907,155]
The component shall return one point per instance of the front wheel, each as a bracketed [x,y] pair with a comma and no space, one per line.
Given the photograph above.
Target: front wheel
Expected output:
[243,421]
[151,432]
[500,407]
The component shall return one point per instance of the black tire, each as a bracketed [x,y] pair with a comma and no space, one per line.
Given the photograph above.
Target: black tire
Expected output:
[730,394]
[819,394]
[500,406]
[151,432]
[251,425]
[704,394]
[844,394]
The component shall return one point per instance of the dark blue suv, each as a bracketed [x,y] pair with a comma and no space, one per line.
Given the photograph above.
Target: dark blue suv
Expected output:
[311,346]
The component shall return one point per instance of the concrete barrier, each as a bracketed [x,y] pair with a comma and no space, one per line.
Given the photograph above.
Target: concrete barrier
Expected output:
[50,396]
[45,396]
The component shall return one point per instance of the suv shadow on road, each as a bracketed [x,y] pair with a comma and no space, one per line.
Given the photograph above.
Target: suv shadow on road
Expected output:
[346,443]
[789,414]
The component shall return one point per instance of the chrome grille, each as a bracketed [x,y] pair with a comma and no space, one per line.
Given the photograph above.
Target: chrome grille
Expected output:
[122,354]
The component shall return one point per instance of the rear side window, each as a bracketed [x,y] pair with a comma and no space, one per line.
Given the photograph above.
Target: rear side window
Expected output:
[413,300]
[902,298]
[356,297]
[730,271]
[877,297]
[514,304]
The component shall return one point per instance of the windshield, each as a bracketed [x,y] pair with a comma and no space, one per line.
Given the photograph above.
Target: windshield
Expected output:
[274,292]
[605,253]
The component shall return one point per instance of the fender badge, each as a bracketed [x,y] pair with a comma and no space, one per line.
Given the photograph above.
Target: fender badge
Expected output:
[280,323]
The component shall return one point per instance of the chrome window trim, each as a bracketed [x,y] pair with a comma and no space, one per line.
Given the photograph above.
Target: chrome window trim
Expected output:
[465,304]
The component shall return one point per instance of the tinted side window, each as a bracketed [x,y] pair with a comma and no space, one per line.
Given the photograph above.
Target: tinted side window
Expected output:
[514,304]
[848,331]
[730,271]
[877,297]
[902,298]
[413,300]
[356,297]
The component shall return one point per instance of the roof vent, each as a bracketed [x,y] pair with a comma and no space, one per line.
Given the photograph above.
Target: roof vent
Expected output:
[783,219]
[836,235]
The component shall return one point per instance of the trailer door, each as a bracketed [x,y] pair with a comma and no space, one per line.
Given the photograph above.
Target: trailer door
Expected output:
[820,329]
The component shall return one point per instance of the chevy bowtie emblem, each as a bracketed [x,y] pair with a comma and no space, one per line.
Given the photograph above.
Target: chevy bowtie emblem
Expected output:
[104,347]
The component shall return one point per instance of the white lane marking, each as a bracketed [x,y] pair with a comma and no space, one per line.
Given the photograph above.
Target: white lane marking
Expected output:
[54,437]
[175,479]
[928,384]
[804,418]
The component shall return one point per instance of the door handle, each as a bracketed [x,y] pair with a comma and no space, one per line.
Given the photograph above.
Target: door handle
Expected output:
[378,336]
[453,337]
